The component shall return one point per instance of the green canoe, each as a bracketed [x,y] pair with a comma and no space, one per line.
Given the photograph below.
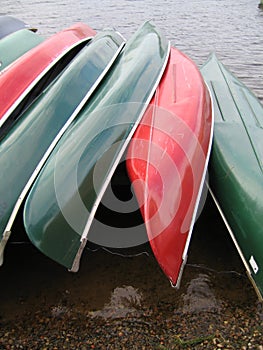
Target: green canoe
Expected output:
[236,166]
[61,205]
[16,44]
[25,148]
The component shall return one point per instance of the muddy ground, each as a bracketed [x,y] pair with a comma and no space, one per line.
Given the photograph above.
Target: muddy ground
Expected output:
[126,302]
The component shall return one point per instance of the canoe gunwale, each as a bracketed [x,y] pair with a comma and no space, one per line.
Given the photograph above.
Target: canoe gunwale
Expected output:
[22,196]
[3,243]
[203,183]
[39,77]
[228,227]
[240,117]
[84,237]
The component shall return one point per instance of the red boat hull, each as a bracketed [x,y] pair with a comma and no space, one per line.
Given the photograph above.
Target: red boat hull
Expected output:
[167,159]
[23,74]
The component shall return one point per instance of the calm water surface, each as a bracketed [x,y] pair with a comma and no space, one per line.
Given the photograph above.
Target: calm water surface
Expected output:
[233,29]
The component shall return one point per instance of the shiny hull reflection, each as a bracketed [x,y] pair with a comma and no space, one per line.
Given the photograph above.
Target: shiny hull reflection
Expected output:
[63,201]
[29,142]
[38,67]
[167,161]
[236,169]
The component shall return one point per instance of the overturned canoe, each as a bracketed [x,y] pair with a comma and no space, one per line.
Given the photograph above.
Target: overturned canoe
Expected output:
[9,24]
[30,141]
[16,44]
[236,168]
[37,68]
[62,203]
[167,161]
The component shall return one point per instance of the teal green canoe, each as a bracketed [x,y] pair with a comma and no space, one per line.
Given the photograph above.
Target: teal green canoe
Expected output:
[24,149]
[61,205]
[236,166]
[16,44]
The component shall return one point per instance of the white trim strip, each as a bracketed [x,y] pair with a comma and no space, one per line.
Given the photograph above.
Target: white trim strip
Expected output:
[248,271]
[75,265]
[38,78]
[198,198]
[22,196]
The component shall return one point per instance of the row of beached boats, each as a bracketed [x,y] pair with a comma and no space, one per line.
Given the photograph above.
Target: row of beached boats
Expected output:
[80,107]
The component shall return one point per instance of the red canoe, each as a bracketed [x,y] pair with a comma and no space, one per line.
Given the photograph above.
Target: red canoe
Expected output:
[19,79]
[167,161]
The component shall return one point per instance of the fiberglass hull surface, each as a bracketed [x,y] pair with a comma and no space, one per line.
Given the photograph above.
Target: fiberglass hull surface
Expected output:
[236,169]
[36,64]
[167,160]
[61,205]
[39,127]
[16,44]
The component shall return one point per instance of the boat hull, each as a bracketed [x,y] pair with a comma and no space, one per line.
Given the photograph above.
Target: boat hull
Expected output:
[167,161]
[67,187]
[39,128]
[236,168]
[16,44]
[37,68]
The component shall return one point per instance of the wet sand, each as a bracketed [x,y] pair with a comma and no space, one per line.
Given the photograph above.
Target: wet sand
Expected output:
[117,302]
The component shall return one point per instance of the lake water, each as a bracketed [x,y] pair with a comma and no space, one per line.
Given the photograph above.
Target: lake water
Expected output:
[232,29]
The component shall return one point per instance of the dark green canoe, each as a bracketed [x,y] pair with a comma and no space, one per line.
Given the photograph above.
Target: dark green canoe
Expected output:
[25,148]
[16,44]
[61,205]
[236,166]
